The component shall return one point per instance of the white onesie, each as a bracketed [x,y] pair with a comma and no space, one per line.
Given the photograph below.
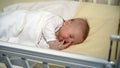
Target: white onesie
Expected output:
[32,28]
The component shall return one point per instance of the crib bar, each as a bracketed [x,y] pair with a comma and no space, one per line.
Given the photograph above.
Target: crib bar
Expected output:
[67,67]
[52,56]
[7,61]
[118,63]
[116,52]
[26,64]
[109,2]
[94,1]
[45,65]
[110,50]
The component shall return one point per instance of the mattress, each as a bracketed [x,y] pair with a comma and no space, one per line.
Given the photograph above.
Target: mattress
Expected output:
[103,21]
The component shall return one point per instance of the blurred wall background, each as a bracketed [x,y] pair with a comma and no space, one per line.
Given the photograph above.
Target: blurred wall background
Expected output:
[4,3]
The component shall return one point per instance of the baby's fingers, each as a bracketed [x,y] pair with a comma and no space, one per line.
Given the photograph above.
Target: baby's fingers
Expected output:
[64,46]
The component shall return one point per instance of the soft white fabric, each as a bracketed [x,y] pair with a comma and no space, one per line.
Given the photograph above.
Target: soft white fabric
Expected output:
[65,9]
[11,24]
[33,28]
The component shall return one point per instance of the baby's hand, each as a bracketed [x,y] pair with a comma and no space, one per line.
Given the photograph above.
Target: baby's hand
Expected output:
[58,45]
[64,45]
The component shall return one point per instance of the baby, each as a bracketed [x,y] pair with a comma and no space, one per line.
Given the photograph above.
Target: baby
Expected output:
[42,29]
[73,31]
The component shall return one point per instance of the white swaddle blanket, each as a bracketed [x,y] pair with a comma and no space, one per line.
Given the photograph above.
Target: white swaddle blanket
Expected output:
[9,29]
[24,27]
[8,25]
[65,9]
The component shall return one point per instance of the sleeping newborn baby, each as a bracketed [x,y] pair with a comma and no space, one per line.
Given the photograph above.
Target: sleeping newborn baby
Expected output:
[42,29]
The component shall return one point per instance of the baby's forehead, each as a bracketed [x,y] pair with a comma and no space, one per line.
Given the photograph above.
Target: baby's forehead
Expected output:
[77,32]
[80,24]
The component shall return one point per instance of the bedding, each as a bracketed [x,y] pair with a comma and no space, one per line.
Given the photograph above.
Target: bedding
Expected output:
[65,9]
[103,21]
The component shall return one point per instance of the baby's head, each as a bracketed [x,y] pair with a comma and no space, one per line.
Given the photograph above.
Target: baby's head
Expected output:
[73,31]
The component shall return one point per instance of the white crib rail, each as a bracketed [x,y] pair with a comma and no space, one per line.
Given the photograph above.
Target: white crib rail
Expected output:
[47,56]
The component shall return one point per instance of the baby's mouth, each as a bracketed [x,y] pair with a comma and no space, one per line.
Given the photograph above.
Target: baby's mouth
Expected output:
[64,42]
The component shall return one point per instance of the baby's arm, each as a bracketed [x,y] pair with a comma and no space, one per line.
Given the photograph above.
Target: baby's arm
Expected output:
[53,23]
[58,45]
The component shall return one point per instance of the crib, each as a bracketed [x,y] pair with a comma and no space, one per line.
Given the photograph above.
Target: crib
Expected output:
[47,56]
[76,56]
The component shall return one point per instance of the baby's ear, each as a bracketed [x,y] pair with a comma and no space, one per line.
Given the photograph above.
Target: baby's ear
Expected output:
[67,22]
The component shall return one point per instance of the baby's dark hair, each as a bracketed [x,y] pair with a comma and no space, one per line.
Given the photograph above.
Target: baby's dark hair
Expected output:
[82,23]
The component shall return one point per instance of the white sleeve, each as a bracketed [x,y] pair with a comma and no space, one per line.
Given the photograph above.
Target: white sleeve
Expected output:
[53,24]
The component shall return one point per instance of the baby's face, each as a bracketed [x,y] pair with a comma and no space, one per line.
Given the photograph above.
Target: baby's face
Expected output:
[69,35]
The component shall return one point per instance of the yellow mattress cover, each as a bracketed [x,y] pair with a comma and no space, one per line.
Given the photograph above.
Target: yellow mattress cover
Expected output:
[103,21]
